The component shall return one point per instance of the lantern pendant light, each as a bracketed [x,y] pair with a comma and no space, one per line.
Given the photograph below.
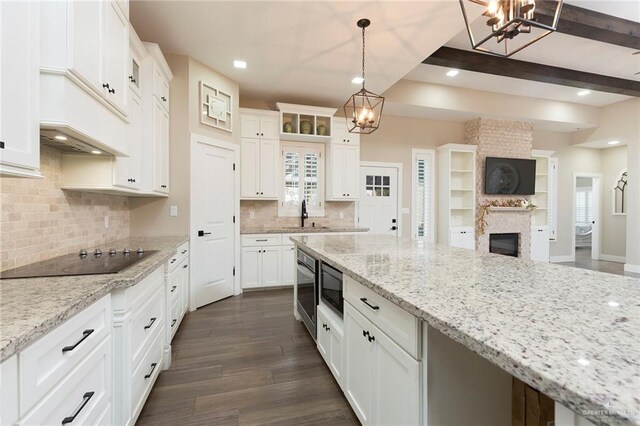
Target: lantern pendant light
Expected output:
[512,24]
[363,110]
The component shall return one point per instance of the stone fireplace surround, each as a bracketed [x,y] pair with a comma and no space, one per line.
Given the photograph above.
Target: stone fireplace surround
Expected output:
[509,139]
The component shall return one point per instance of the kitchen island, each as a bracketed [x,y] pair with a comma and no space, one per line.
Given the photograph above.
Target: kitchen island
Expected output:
[572,334]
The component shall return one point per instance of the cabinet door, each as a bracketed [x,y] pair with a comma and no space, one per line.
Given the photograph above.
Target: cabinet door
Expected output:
[160,148]
[165,153]
[338,153]
[396,384]
[336,355]
[250,126]
[269,168]
[116,56]
[251,264]
[456,239]
[19,84]
[128,169]
[358,363]
[86,42]
[249,168]
[288,269]
[270,266]
[540,244]
[185,285]
[269,128]
[469,240]
[351,171]
[323,336]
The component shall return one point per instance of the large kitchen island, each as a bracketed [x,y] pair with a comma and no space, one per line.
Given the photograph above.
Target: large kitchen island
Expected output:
[465,323]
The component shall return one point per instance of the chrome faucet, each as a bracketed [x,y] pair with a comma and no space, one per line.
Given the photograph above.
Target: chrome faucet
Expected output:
[304,215]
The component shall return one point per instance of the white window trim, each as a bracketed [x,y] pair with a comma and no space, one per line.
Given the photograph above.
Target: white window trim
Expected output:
[288,211]
[415,153]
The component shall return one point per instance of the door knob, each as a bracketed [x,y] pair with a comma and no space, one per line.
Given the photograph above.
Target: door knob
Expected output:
[202,233]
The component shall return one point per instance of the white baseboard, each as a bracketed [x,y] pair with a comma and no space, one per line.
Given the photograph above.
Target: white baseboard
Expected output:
[560,259]
[632,268]
[612,258]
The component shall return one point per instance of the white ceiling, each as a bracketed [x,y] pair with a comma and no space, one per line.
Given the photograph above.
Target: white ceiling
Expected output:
[510,86]
[304,51]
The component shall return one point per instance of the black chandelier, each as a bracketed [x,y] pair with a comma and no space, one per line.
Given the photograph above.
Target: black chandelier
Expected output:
[363,110]
[507,19]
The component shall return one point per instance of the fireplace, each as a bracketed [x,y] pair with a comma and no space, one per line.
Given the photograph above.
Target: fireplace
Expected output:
[506,244]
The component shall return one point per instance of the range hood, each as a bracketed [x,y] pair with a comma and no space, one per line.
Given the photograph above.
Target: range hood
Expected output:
[67,141]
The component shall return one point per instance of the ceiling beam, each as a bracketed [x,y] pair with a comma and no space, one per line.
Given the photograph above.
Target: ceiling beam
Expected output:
[592,25]
[480,62]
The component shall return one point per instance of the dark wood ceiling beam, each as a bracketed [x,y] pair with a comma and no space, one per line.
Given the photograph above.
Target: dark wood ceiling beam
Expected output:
[480,62]
[586,23]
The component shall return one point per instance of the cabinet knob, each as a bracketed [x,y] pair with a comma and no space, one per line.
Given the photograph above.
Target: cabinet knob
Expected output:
[163,99]
[113,91]
[163,186]
[1,144]
[105,85]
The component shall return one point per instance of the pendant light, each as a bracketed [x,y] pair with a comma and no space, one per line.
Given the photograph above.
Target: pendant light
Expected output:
[363,110]
[512,24]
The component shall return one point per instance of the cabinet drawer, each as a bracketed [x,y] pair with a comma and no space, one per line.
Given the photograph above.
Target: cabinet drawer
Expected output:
[175,284]
[183,251]
[48,360]
[145,374]
[85,393]
[137,296]
[398,324]
[145,324]
[261,240]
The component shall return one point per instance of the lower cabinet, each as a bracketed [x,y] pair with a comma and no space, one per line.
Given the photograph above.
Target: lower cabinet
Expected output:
[381,380]
[65,376]
[540,243]
[288,262]
[462,237]
[260,267]
[139,318]
[330,335]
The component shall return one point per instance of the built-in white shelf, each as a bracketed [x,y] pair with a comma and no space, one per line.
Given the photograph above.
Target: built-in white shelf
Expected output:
[305,123]
[509,209]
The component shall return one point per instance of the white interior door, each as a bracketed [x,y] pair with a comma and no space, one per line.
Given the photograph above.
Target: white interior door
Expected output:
[213,272]
[378,205]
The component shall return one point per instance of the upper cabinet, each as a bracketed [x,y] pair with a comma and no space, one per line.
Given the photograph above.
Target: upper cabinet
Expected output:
[259,159]
[303,123]
[343,164]
[19,89]
[84,70]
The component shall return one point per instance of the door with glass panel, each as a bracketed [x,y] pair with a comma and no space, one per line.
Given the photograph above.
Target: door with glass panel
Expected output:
[378,204]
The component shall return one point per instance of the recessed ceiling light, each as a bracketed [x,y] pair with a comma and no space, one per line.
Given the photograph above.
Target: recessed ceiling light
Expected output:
[583,361]
[240,64]
[95,151]
[357,80]
[613,142]
[613,304]
[60,138]
[584,92]
[452,73]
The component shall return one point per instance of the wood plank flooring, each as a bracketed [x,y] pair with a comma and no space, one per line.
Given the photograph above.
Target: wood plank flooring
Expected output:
[246,360]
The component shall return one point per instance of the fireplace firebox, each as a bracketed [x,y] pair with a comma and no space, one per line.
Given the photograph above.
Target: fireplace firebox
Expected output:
[505,244]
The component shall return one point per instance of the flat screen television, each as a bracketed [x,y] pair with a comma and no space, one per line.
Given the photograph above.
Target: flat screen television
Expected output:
[510,176]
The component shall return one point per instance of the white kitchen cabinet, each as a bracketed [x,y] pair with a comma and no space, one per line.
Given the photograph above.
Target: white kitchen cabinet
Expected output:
[84,64]
[288,262]
[382,381]
[128,170]
[343,172]
[9,412]
[176,298]
[19,89]
[139,330]
[258,124]
[329,339]
[462,237]
[540,243]
[160,87]
[160,148]
[261,267]
[259,155]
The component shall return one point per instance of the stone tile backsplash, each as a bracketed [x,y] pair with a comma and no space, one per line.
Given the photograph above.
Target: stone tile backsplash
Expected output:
[266,215]
[39,220]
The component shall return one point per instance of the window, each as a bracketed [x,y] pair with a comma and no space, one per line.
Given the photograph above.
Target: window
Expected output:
[378,186]
[303,179]
[423,189]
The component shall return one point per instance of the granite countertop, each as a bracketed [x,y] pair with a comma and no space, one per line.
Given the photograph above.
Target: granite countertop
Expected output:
[571,333]
[299,230]
[30,307]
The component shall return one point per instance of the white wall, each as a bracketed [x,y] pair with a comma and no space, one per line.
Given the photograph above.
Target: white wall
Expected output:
[614,227]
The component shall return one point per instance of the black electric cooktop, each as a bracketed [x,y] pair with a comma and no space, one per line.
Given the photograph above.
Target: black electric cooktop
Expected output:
[84,263]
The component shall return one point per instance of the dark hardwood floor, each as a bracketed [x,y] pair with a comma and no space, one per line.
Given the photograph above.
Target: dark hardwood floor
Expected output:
[246,360]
